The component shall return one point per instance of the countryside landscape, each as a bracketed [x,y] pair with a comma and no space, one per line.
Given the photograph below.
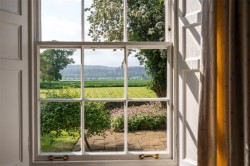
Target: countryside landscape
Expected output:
[100,82]
[104,78]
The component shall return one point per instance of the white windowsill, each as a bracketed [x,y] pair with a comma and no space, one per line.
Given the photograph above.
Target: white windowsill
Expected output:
[146,162]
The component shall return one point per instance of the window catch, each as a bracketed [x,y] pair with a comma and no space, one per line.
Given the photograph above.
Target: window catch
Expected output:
[52,158]
[169,28]
[142,156]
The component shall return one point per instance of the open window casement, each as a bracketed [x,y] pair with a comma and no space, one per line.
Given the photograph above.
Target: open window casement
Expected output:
[189,54]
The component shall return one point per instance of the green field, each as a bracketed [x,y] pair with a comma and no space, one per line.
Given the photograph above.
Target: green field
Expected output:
[101,89]
[107,92]
[94,83]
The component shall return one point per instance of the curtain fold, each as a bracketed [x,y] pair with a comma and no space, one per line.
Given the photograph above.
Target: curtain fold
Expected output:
[207,115]
[222,78]
[239,82]
[223,132]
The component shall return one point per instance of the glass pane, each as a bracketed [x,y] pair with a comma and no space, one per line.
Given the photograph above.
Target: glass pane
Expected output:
[60,127]
[147,73]
[60,72]
[147,126]
[103,20]
[104,124]
[104,73]
[146,20]
[61,20]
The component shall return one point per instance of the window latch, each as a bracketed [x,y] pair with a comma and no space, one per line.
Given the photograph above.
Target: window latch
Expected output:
[169,28]
[142,156]
[52,158]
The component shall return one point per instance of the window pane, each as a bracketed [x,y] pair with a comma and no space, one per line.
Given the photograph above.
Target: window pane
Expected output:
[146,20]
[103,73]
[147,126]
[147,73]
[103,20]
[60,127]
[61,20]
[60,71]
[104,124]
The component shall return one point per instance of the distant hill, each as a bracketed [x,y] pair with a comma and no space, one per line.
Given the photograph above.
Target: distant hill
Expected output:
[72,72]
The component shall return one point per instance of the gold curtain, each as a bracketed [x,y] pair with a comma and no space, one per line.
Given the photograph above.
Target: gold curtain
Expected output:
[223,134]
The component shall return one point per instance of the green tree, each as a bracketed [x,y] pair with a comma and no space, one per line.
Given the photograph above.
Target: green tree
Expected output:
[57,117]
[52,61]
[145,23]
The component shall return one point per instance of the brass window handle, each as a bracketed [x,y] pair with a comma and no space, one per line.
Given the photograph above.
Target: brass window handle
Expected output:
[142,156]
[52,158]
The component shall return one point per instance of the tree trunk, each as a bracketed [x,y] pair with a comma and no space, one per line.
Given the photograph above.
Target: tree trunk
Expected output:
[87,143]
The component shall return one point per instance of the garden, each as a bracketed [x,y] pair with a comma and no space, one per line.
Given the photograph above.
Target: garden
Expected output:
[61,121]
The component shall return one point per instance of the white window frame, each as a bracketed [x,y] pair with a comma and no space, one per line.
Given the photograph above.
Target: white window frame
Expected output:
[170,158]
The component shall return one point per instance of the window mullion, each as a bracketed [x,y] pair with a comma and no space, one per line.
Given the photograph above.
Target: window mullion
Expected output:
[125,21]
[82,21]
[126,73]
[37,21]
[82,101]
[38,113]
[170,103]
[126,100]
[168,20]
[126,127]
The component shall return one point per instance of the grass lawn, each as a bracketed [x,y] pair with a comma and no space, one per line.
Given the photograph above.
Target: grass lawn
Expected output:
[140,92]
[64,143]
[109,92]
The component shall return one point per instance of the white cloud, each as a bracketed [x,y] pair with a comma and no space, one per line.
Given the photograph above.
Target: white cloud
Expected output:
[61,20]
[60,29]
[66,1]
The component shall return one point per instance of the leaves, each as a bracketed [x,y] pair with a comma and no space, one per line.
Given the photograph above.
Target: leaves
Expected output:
[97,119]
[52,61]
[57,117]
[146,22]
[106,18]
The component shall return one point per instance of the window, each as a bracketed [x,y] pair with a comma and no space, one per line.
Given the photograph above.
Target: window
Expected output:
[104,87]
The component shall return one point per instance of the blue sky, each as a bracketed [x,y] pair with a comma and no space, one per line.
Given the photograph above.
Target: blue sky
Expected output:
[61,20]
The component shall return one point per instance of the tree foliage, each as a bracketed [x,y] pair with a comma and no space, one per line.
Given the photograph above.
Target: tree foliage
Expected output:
[62,116]
[52,61]
[57,117]
[106,20]
[145,23]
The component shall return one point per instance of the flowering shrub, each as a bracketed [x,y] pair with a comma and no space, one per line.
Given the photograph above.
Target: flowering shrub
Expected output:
[149,116]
